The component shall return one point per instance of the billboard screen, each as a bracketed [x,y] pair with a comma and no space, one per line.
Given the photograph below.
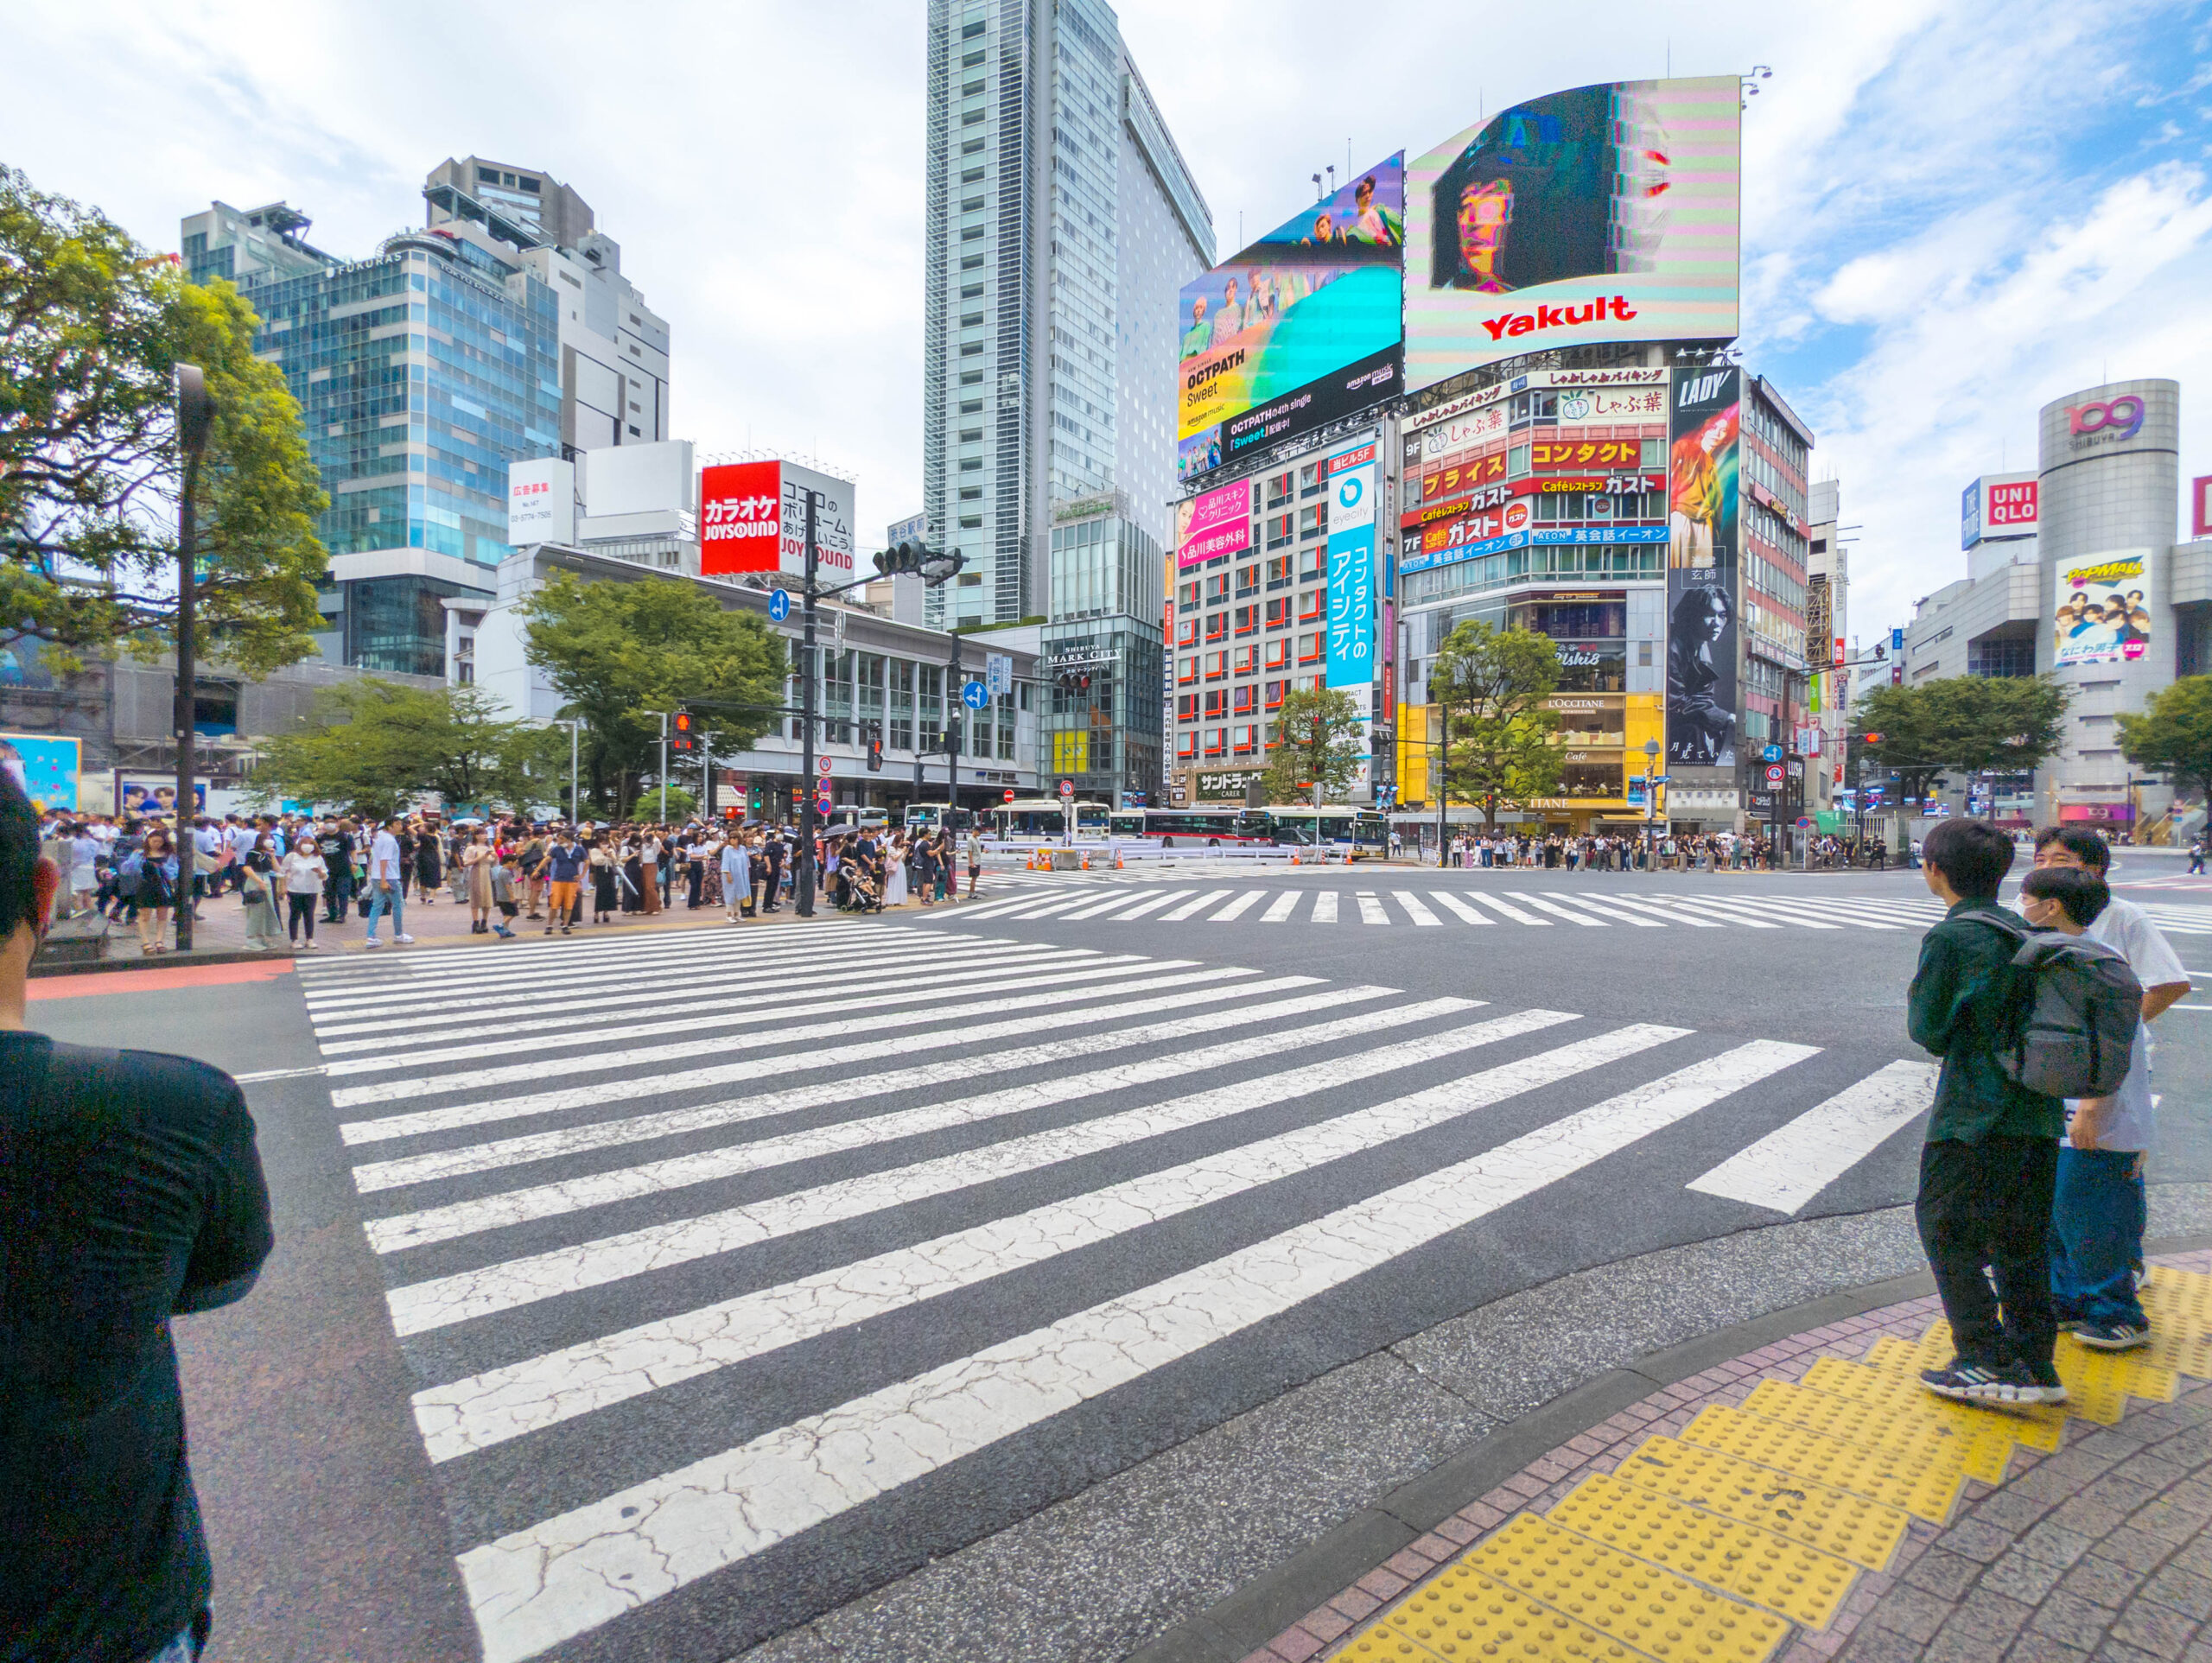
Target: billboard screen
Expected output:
[1701,569]
[1608,212]
[752,518]
[1299,329]
[2104,612]
[1214,522]
[1352,475]
[44,767]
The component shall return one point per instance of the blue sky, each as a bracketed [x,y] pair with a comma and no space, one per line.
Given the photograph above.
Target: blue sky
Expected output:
[1953,213]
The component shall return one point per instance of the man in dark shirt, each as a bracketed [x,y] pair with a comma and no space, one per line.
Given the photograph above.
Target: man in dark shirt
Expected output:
[1992,1158]
[130,1193]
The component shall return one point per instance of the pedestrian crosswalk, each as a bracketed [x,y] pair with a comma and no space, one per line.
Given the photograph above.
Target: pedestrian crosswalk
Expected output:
[1396,897]
[700,1245]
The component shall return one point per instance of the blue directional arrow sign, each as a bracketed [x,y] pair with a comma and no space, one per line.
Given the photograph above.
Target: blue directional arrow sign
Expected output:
[1772,753]
[974,695]
[779,604]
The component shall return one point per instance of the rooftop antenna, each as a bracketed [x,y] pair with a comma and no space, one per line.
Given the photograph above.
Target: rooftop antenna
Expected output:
[1317,188]
[1332,179]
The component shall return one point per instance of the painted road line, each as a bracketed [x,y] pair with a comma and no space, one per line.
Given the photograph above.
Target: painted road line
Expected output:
[1414,909]
[562,1576]
[1239,907]
[860,1009]
[587,1019]
[1512,913]
[1680,907]
[506,1402]
[1745,907]
[600,1092]
[1196,903]
[1130,914]
[1552,907]
[1670,917]
[1605,910]
[1788,1167]
[414,1229]
[1325,907]
[1281,908]
[384,1091]
[1060,1052]
[1370,910]
[465,1295]
[1097,907]
[1453,904]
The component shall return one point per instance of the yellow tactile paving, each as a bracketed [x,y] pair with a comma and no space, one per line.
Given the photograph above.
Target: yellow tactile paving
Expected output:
[1763,1566]
[1854,1527]
[2098,1383]
[1901,1394]
[1981,1453]
[2180,1305]
[1624,1598]
[1462,1614]
[1929,1488]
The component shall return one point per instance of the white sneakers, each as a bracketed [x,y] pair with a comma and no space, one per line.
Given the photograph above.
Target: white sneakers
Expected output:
[403,938]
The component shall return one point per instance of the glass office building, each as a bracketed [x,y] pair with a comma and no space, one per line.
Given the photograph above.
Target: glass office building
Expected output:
[1061,223]
[1101,658]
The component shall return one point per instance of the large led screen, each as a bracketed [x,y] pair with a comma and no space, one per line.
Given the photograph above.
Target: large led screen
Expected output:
[1705,428]
[1604,213]
[1299,329]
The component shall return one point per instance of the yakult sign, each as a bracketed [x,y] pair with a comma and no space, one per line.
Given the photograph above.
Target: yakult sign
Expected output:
[752,518]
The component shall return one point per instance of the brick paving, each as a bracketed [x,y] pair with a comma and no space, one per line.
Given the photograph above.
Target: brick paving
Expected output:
[2101,1551]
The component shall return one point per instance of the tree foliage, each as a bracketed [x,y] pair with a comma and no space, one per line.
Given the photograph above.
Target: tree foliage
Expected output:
[1492,689]
[618,652]
[378,747]
[1319,737]
[2174,736]
[92,329]
[1960,724]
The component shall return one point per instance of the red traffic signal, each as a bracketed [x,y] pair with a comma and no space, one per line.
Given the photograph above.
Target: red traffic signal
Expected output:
[1870,739]
[680,736]
[875,756]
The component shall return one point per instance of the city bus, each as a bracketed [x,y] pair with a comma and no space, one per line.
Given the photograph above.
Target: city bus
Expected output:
[1031,819]
[1356,834]
[933,816]
[1236,828]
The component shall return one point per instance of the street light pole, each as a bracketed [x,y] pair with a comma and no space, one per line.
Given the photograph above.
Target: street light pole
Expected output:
[1650,800]
[953,727]
[196,415]
[572,723]
[804,883]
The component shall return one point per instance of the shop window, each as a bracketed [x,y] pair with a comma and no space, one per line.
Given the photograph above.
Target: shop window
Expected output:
[1272,693]
[1314,522]
[1217,705]
[1216,741]
[1248,620]
[1245,740]
[1248,579]
[1280,528]
[1311,605]
[1311,480]
[1312,564]
[1309,648]
[1247,701]
[1186,633]
[1279,613]
[1187,596]
[1216,627]
[1187,707]
[1279,653]
[1186,746]
[1217,666]
[1279,572]
[1186,670]
[1243,661]
[1217,588]
[1279,490]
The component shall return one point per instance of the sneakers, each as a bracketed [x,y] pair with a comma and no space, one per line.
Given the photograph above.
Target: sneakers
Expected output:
[2112,1336]
[2014,1383]
[373,941]
[403,938]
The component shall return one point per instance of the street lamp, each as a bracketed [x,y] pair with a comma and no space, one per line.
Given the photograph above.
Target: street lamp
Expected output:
[572,723]
[195,418]
[1650,800]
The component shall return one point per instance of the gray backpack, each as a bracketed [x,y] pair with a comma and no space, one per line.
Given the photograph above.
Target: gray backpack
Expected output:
[2074,1008]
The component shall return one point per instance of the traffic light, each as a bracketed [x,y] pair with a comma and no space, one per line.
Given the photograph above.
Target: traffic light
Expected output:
[917,559]
[681,737]
[874,755]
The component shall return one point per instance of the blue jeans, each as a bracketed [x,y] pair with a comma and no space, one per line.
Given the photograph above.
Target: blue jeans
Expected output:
[383,897]
[2097,1216]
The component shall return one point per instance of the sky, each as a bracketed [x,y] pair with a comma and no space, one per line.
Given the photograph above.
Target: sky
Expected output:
[1953,213]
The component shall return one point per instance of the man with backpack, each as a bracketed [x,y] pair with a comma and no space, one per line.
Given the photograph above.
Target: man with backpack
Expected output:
[1988,1168]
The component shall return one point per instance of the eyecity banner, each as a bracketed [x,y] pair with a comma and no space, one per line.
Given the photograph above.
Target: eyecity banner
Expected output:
[2104,613]
[1606,212]
[1704,428]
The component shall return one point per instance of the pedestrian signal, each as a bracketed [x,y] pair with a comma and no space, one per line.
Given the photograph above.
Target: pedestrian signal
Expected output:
[680,734]
[875,756]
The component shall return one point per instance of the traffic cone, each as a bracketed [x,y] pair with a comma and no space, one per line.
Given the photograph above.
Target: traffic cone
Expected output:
[1293,859]
[1086,863]
[1118,863]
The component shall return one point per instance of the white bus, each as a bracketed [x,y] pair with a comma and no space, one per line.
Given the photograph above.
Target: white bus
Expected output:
[1044,819]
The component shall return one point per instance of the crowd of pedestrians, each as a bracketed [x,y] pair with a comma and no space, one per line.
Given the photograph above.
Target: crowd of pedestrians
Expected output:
[290,873]
[1607,852]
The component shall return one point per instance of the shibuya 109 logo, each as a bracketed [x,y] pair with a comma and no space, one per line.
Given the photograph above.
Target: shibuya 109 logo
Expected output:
[2115,420]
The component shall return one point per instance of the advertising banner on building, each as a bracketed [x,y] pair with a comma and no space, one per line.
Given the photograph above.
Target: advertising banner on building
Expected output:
[1997,506]
[1214,522]
[1608,212]
[44,767]
[2104,609]
[752,518]
[1351,476]
[1701,568]
[541,501]
[1301,326]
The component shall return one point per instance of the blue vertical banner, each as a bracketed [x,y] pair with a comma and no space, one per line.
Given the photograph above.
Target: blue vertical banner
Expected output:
[1351,476]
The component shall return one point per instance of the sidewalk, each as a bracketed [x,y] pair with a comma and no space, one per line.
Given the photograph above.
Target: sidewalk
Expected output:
[1808,1500]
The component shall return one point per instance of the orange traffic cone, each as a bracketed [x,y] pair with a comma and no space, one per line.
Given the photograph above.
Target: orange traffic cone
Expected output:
[1118,863]
[1086,863]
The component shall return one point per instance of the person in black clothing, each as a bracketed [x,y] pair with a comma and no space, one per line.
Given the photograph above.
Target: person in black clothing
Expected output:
[130,1193]
[771,862]
[337,857]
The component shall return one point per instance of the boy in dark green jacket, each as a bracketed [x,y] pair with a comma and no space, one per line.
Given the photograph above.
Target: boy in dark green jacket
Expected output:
[1991,1156]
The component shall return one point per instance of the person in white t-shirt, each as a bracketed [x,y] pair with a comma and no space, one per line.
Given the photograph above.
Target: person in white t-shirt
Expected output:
[2099,1210]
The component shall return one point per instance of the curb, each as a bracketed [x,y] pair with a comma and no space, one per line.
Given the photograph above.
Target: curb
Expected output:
[1242,1623]
[171,961]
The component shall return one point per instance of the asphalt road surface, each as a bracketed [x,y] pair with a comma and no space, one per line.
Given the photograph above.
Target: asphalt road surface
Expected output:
[647,1299]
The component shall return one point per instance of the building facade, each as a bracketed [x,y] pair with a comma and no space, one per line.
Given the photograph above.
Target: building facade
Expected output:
[423,372]
[1101,650]
[1061,221]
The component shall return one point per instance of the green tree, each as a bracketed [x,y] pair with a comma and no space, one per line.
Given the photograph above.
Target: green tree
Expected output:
[1318,739]
[2174,736]
[378,747]
[1961,725]
[617,651]
[92,326]
[1492,688]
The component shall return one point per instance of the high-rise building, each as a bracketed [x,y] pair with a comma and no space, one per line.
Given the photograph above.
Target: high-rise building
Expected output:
[424,369]
[1061,223]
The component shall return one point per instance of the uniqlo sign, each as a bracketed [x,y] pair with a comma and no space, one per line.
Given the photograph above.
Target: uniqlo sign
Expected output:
[741,518]
[2012,505]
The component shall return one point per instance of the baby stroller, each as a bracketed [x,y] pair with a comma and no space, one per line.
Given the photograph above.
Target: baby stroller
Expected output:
[862,893]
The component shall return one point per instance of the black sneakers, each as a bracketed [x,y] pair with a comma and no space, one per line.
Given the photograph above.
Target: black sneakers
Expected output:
[2111,1337]
[2013,1383]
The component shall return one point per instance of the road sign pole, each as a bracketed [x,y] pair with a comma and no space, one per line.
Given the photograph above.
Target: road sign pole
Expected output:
[952,726]
[804,882]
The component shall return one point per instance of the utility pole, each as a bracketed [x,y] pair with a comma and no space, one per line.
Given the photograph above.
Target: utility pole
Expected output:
[1443,784]
[804,883]
[664,766]
[953,724]
[196,415]
[572,723]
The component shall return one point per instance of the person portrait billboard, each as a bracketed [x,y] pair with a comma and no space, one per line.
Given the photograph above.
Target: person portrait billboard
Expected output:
[2103,610]
[44,767]
[1703,435]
